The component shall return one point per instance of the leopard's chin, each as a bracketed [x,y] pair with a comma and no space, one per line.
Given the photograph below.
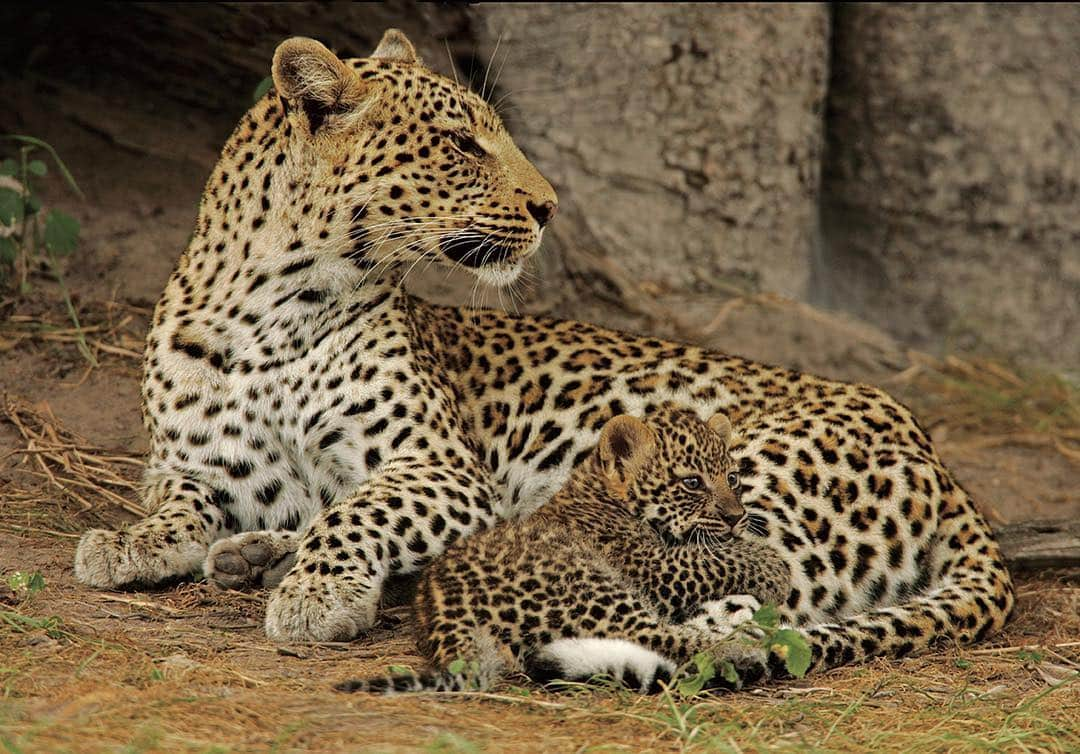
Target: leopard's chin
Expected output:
[499,275]
[494,265]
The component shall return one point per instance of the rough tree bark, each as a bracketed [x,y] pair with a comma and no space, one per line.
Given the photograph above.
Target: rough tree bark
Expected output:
[684,140]
[952,175]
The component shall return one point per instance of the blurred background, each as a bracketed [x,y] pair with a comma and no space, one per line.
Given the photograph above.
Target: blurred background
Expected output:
[881,192]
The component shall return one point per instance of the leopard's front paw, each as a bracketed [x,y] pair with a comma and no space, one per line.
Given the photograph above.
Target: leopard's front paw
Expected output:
[319,607]
[116,559]
[252,559]
[722,617]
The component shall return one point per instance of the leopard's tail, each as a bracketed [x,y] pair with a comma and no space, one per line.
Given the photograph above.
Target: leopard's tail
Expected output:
[579,660]
[401,683]
[483,666]
[583,659]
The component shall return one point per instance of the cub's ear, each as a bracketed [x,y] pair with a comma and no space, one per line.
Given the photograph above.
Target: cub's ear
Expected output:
[625,445]
[314,82]
[396,46]
[721,425]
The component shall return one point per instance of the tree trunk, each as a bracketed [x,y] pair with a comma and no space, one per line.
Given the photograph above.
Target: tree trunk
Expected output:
[684,140]
[952,175]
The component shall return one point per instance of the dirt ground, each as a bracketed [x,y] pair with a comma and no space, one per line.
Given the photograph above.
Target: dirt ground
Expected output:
[187,668]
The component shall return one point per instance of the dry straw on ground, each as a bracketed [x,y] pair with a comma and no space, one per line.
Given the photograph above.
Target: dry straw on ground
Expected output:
[187,669]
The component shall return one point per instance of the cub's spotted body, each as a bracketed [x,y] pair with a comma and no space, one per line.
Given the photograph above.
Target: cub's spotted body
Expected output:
[316,429]
[635,550]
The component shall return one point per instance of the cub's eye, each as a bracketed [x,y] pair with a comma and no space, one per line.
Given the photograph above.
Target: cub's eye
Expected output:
[467,144]
[733,480]
[692,483]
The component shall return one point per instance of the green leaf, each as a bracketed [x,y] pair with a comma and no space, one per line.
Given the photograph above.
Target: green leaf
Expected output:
[691,686]
[156,675]
[8,250]
[59,163]
[706,671]
[767,616]
[456,667]
[400,670]
[33,204]
[262,88]
[31,583]
[962,663]
[35,583]
[11,206]
[9,167]
[61,233]
[792,646]
[37,167]
[728,672]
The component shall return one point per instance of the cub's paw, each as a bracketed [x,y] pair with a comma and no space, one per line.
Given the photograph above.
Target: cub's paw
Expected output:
[722,617]
[116,559]
[251,560]
[319,607]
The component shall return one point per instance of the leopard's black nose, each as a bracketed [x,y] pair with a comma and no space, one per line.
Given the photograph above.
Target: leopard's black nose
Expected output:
[542,213]
[731,519]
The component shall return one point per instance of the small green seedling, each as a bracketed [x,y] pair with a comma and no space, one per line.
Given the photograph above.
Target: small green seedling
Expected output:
[30,236]
[25,583]
[762,632]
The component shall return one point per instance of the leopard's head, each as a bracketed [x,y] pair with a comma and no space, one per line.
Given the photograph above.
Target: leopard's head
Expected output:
[674,471]
[389,163]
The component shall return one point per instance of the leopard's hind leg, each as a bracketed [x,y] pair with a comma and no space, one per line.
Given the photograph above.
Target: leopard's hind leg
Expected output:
[969,596]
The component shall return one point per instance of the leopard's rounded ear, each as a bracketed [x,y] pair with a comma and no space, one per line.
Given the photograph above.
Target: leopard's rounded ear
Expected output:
[314,82]
[395,46]
[721,425]
[625,444]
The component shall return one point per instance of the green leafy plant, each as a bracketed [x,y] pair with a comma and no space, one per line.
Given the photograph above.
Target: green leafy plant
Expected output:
[25,624]
[25,583]
[786,643]
[469,672]
[1030,655]
[29,234]
[762,632]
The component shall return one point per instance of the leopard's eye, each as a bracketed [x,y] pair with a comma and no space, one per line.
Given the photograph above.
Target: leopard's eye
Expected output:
[467,144]
[692,483]
[733,480]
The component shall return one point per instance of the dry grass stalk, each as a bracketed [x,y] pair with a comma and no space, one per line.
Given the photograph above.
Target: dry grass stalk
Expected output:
[120,334]
[69,463]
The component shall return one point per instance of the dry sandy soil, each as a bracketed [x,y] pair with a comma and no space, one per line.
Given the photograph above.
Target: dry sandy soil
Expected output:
[188,669]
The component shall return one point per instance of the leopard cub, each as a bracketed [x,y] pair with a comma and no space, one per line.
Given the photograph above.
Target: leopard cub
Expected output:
[629,571]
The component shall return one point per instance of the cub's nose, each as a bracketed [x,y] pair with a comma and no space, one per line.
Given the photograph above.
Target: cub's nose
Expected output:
[733,518]
[542,213]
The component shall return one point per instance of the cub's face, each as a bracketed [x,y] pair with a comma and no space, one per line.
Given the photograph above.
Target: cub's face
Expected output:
[410,166]
[675,472]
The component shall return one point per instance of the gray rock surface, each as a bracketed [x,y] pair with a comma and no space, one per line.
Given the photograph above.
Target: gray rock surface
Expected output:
[685,140]
[952,178]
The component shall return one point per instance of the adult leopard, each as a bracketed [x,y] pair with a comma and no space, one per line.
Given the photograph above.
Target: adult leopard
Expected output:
[315,428]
